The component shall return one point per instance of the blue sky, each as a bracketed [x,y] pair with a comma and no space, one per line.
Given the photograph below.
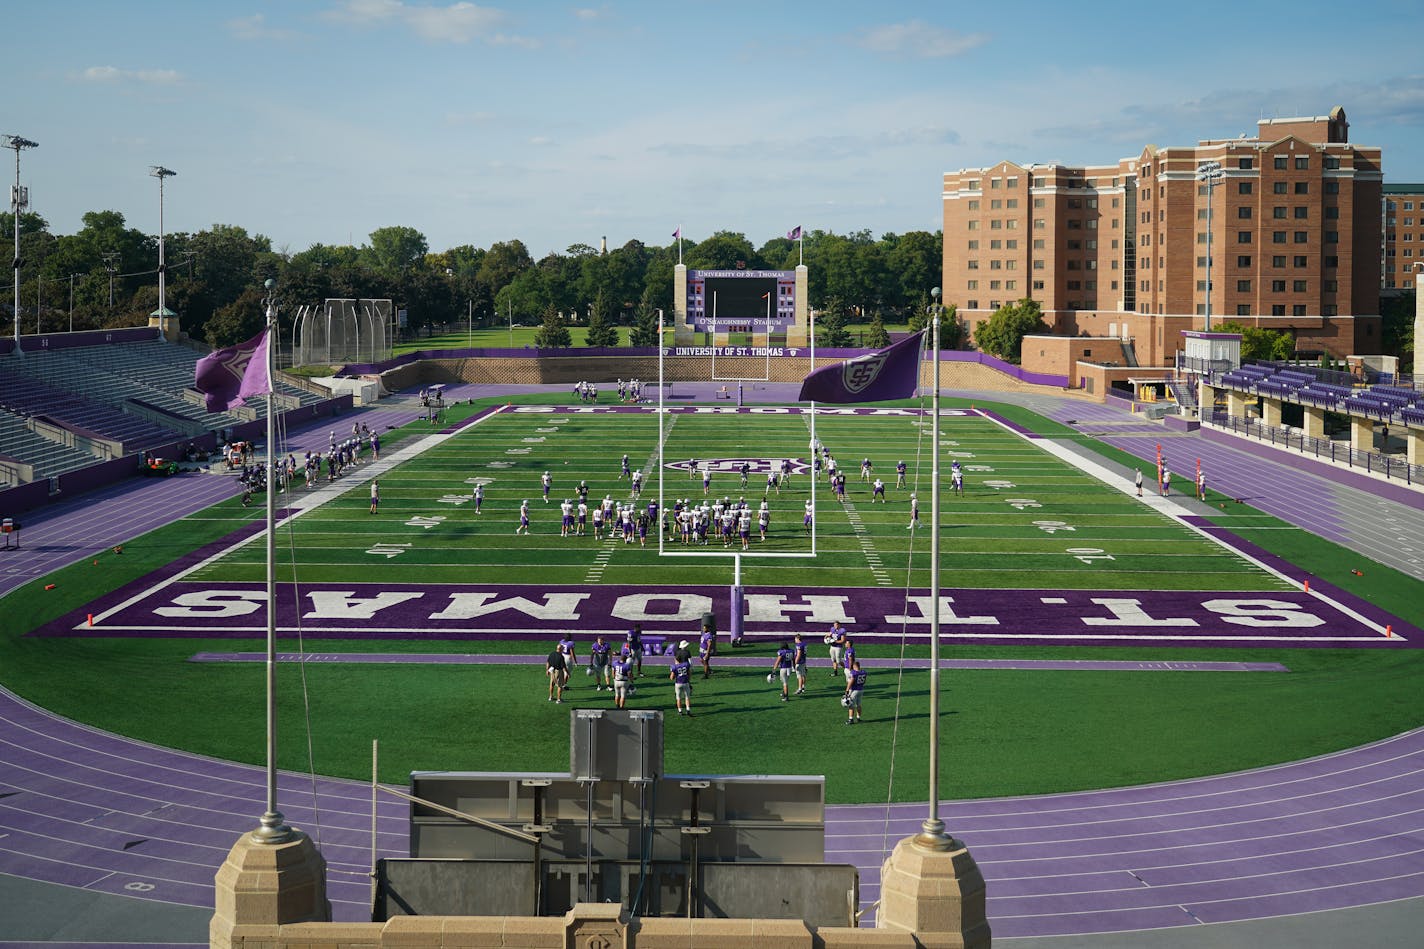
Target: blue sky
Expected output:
[317,122]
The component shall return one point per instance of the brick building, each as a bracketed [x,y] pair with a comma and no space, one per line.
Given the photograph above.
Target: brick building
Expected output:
[1121,250]
[1403,235]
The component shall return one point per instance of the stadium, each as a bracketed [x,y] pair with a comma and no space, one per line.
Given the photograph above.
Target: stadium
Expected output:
[1162,711]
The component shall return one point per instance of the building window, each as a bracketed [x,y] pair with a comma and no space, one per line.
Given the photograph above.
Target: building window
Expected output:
[972,285]
[1243,212]
[1298,286]
[972,185]
[1278,309]
[1300,212]
[1243,309]
[1301,237]
[1011,284]
[1332,286]
[1013,224]
[1280,162]
[1333,214]
[1013,182]
[1074,224]
[995,244]
[1332,261]
[1278,260]
[1038,265]
[972,264]
[1075,203]
[1302,187]
[1278,187]
[971,304]
[973,205]
[995,183]
[1300,260]
[1278,286]
[1038,243]
[1278,237]
[1039,224]
[1012,203]
[1298,309]
[1039,182]
[1243,237]
[1245,164]
[1243,187]
[1011,244]
[1011,265]
[996,264]
[973,225]
[1301,163]
[1201,237]
[995,204]
[1331,162]
[1075,285]
[1332,187]
[1038,284]
[1331,310]
[1278,213]
[995,285]
[1243,261]
[974,245]
[996,225]
[1242,286]
[1332,237]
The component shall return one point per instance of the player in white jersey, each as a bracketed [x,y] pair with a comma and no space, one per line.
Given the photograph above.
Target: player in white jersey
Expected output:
[566,517]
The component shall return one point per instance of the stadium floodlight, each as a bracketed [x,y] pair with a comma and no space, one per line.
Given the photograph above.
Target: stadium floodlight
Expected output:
[159,172]
[1210,173]
[19,200]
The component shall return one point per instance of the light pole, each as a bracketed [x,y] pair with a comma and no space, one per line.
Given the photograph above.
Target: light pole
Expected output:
[111,264]
[19,200]
[159,172]
[1209,172]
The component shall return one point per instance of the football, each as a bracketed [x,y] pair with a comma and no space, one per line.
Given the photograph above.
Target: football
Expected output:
[771,676]
[845,701]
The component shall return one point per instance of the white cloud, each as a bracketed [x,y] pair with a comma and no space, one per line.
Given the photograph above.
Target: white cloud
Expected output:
[589,14]
[114,74]
[455,23]
[921,40]
[255,28]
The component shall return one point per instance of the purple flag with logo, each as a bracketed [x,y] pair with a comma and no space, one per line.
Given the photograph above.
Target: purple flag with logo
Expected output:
[891,373]
[677,234]
[230,375]
[794,234]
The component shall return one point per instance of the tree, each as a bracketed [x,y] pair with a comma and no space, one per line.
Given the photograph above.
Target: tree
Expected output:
[237,321]
[1397,330]
[394,250]
[504,261]
[645,330]
[554,332]
[1003,333]
[876,337]
[1258,343]
[600,331]
[831,329]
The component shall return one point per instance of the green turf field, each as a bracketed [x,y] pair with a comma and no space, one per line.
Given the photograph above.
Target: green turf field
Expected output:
[1006,731]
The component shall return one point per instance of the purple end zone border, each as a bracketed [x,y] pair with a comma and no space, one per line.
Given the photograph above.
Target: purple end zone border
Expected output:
[1014,427]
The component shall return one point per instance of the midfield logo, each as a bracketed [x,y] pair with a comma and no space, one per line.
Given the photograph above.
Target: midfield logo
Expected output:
[734,465]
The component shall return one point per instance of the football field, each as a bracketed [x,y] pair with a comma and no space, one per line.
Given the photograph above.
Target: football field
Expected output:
[1043,561]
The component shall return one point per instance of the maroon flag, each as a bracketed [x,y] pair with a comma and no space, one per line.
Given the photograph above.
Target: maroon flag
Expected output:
[794,234]
[891,373]
[228,376]
[677,234]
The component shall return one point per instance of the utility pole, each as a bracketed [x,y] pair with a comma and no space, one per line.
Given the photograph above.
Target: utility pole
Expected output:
[19,200]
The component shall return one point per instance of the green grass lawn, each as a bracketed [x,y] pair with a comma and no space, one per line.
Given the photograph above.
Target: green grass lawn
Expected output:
[1006,732]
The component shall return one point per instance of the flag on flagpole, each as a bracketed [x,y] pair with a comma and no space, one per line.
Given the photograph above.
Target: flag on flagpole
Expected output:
[794,234]
[891,373]
[677,234]
[230,375]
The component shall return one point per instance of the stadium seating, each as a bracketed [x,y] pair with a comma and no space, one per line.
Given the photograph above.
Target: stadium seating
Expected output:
[26,397]
[48,457]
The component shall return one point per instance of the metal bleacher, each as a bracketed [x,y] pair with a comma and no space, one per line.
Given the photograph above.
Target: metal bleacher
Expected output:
[49,458]
[27,397]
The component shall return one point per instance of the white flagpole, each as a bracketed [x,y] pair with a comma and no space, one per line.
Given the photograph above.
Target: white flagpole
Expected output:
[932,835]
[273,828]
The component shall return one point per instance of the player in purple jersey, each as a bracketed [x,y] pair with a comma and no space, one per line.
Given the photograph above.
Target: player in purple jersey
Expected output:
[855,690]
[848,659]
[900,474]
[681,676]
[599,661]
[798,662]
[781,669]
[836,640]
[706,649]
[624,471]
[622,680]
[635,646]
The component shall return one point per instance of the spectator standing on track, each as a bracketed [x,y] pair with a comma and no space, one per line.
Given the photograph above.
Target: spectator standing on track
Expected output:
[1138,481]
[855,690]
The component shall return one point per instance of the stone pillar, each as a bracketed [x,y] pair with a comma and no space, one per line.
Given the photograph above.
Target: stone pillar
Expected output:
[263,886]
[1314,422]
[937,895]
[1271,412]
[1235,403]
[1362,433]
[1414,446]
[797,334]
[681,331]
